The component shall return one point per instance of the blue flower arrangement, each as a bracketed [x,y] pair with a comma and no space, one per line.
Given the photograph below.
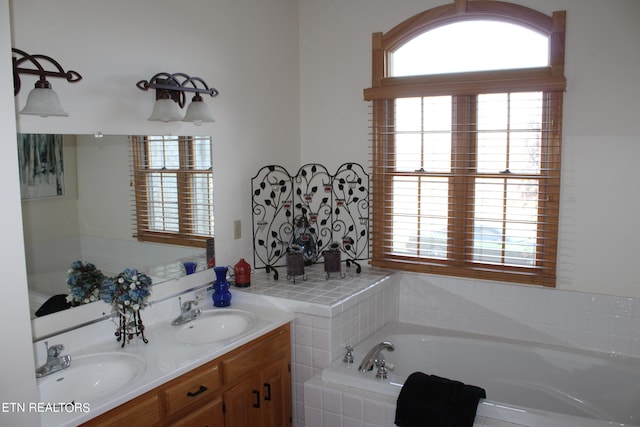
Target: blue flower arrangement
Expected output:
[84,281]
[128,293]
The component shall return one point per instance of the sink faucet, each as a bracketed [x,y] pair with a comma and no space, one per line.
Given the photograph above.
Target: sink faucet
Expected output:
[187,312]
[55,362]
[374,357]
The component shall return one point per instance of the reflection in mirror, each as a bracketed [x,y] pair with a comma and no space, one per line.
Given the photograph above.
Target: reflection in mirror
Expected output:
[93,220]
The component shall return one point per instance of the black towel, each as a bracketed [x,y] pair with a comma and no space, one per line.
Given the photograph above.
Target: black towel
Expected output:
[55,303]
[432,401]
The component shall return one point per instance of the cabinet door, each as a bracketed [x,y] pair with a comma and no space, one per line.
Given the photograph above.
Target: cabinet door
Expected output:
[143,411]
[209,415]
[243,404]
[276,388]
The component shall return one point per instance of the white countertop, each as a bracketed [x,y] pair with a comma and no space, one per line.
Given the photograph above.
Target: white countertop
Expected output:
[165,358]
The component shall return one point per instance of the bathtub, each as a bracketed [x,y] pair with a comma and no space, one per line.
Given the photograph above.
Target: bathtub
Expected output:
[527,384]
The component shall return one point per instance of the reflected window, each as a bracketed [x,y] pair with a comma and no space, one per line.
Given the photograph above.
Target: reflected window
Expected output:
[173,182]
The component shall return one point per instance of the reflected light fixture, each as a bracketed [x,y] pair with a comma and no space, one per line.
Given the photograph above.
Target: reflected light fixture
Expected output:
[42,100]
[170,94]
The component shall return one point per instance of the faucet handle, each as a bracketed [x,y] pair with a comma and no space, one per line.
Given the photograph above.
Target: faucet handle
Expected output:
[54,350]
[383,369]
[348,357]
[187,305]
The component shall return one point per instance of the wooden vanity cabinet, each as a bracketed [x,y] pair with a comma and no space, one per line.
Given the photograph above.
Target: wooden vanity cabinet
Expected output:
[143,411]
[247,387]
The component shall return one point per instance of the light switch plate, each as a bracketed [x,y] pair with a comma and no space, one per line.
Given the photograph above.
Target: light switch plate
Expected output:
[237,229]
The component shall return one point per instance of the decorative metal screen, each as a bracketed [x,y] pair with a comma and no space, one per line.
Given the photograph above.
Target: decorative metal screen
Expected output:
[330,208]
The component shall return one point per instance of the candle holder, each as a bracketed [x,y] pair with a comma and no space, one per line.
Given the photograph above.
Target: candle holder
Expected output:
[333,261]
[295,263]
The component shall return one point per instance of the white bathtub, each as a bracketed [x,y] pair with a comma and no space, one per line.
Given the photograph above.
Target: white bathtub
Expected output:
[527,384]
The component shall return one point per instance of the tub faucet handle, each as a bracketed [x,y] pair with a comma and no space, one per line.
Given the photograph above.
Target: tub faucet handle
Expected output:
[348,357]
[383,368]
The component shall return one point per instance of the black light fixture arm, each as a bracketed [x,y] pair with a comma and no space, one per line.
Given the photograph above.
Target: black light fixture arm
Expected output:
[39,70]
[176,85]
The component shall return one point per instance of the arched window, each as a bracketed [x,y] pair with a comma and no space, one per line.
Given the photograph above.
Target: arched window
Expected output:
[467,113]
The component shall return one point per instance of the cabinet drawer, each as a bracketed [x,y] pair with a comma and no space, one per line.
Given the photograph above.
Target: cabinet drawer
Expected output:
[192,388]
[272,347]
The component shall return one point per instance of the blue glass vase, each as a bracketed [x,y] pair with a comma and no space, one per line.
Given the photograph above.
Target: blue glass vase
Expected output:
[221,294]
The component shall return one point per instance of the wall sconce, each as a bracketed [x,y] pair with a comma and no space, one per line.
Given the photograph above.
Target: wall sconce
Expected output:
[42,100]
[170,93]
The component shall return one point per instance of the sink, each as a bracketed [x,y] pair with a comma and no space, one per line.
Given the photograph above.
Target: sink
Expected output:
[91,377]
[214,326]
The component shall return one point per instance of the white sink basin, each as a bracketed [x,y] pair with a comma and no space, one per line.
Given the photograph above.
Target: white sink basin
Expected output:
[91,377]
[216,325]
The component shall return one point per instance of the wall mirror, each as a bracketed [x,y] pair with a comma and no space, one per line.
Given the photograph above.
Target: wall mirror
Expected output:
[82,208]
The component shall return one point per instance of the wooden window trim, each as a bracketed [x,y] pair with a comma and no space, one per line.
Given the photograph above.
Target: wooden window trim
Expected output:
[385,89]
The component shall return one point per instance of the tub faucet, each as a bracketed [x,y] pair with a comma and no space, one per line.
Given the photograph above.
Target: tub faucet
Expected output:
[55,362]
[187,312]
[374,357]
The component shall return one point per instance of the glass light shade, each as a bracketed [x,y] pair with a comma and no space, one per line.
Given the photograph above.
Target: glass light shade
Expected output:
[165,110]
[198,113]
[43,102]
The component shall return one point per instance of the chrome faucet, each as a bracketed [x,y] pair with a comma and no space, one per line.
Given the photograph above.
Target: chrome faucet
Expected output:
[187,312]
[55,362]
[375,358]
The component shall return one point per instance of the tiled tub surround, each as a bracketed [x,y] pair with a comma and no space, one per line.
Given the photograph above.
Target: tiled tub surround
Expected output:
[592,322]
[329,315]
[555,380]
[595,322]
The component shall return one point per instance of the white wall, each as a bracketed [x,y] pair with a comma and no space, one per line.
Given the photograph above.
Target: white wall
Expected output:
[16,358]
[599,230]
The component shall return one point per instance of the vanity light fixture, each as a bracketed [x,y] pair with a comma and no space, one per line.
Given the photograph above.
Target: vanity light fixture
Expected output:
[170,94]
[42,100]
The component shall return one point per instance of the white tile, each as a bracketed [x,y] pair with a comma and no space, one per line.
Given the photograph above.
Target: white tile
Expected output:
[331,420]
[599,341]
[312,395]
[321,359]
[321,339]
[621,344]
[303,373]
[304,320]
[599,323]
[352,422]
[622,325]
[352,406]
[580,301]
[312,417]
[602,304]
[303,355]
[332,400]
[373,411]
[303,335]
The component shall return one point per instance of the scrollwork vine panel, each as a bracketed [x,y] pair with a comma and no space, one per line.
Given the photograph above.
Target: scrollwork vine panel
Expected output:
[311,209]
